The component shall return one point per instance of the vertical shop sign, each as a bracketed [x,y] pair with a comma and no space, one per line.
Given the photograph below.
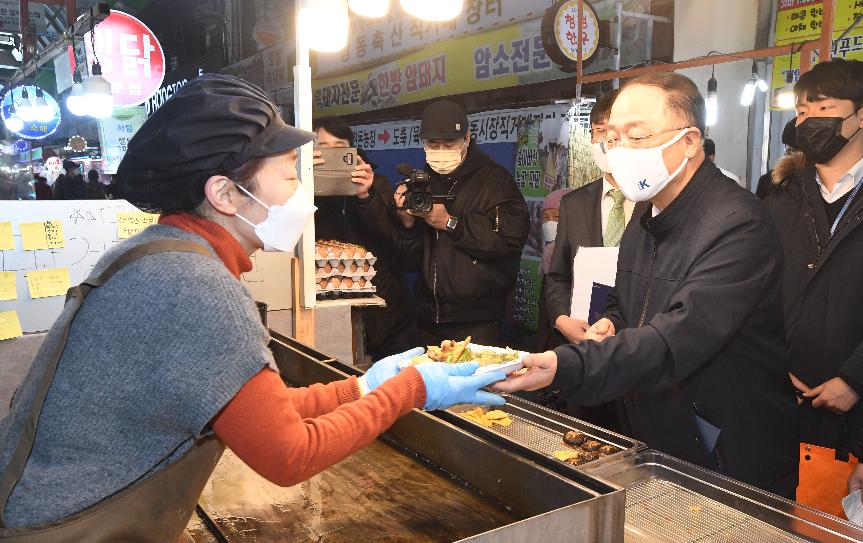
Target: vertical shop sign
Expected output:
[115,133]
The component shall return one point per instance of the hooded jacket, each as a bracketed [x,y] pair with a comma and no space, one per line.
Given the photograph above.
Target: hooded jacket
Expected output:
[699,355]
[465,274]
[823,298]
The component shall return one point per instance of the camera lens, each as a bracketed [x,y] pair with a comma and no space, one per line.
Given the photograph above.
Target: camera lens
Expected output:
[419,202]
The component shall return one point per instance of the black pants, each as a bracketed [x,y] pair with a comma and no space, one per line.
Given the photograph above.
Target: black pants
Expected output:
[481,332]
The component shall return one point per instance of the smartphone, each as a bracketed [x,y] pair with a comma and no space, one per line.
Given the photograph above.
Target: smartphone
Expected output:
[333,177]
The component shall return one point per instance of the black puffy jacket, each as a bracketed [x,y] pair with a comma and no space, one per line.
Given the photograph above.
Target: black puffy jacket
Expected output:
[823,293]
[700,342]
[465,275]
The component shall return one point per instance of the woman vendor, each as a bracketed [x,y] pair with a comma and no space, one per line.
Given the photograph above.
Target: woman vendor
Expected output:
[160,360]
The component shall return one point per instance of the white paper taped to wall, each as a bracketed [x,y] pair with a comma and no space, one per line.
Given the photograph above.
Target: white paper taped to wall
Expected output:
[89,228]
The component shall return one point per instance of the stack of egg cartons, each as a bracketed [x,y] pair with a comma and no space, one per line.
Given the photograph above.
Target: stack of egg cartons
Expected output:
[344,270]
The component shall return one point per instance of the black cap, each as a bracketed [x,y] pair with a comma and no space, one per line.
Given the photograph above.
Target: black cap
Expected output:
[443,120]
[213,125]
[789,133]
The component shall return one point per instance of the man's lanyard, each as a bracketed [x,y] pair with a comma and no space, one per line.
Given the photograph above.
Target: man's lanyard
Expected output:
[846,206]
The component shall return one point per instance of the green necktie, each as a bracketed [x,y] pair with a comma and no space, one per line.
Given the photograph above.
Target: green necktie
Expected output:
[616,220]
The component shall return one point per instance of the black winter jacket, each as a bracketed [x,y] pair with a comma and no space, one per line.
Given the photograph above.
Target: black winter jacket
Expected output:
[700,342]
[465,275]
[823,294]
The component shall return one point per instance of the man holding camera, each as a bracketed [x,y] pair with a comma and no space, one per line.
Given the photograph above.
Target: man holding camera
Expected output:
[467,245]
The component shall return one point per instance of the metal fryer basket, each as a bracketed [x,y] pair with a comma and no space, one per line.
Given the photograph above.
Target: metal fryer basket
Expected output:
[540,431]
[659,510]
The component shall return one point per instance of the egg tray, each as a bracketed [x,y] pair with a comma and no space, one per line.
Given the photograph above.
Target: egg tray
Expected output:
[351,294]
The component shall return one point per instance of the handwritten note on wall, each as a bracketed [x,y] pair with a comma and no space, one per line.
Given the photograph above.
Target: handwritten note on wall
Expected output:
[10,326]
[45,283]
[129,224]
[6,241]
[42,235]
[7,286]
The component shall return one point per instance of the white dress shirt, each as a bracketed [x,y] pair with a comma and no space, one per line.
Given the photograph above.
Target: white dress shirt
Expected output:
[844,185]
[608,202]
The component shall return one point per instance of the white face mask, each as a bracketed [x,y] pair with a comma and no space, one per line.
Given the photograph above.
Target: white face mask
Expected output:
[444,161]
[641,173]
[284,225]
[549,231]
[599,156]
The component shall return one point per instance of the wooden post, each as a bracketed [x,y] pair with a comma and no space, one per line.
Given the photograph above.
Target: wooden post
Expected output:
[304,318]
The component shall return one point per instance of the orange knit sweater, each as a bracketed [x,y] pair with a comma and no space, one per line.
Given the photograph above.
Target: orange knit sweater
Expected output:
[289,434]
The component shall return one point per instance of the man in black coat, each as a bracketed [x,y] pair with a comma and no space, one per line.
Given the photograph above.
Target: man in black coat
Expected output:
[70,186]
[693,335]
[818,211]
[467,249]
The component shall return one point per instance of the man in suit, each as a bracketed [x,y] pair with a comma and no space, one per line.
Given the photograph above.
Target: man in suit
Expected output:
[594,215]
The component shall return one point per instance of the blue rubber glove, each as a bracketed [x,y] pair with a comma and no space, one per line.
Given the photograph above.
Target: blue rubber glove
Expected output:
[385,368]
[451,384]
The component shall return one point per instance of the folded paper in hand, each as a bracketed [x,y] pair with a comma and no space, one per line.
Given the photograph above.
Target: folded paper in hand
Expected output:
[593,272]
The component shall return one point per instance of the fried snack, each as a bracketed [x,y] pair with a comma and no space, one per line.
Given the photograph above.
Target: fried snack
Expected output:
[574,438]
[608,449]
[591,445]
[563,456]
[495,416]
[459,348]
[582,458]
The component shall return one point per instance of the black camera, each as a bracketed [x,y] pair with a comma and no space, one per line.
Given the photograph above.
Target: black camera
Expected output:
[418,196]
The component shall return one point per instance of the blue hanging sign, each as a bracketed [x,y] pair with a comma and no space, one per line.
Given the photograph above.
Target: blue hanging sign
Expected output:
[35,129]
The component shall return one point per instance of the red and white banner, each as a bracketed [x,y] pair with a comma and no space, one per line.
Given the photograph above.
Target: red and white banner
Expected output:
[131,58]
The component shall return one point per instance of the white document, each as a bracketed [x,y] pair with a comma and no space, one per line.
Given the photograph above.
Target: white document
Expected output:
[593,273]
[853,507]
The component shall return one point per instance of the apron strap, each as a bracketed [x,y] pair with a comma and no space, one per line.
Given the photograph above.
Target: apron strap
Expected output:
[15,467]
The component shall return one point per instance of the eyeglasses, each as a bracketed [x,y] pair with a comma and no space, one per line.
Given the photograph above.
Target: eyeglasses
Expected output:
[638,142]
[598,134]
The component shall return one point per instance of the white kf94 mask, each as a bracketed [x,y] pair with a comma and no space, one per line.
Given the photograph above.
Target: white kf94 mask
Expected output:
[641,173]
[284,224]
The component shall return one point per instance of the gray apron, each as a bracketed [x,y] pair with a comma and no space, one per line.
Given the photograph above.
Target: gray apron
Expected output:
[153,510]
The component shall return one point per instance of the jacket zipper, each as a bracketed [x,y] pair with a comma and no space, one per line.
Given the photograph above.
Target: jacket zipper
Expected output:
[649,285]
[434,279]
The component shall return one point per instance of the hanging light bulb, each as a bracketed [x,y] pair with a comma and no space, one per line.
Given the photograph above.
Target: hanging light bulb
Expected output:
[44,111]
[785,99]
[371,9]
[711,102]
[97,94]
[323,24]
[433,10]
[26,111]
[761,84]
[12,122]
[75,102]
[748,94]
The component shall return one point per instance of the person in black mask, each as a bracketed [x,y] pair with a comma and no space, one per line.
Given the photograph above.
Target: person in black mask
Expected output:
[818,211]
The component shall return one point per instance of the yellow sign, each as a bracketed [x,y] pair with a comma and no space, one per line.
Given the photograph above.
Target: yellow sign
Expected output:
[800,20]
[7,286]
[42,235]
[6,241]
[505,57]
[130,223]
[46,283]
[10,326]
